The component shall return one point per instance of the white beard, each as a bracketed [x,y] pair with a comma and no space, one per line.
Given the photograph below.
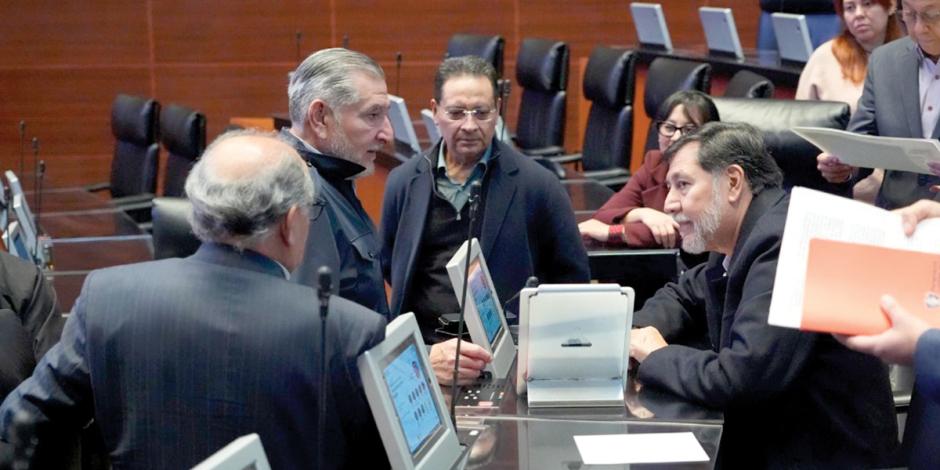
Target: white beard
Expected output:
[703,229]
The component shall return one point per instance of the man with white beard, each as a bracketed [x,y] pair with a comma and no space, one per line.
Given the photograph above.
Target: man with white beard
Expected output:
[790,399]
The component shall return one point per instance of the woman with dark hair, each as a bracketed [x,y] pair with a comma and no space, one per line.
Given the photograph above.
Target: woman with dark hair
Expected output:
[836,70]
[634,216]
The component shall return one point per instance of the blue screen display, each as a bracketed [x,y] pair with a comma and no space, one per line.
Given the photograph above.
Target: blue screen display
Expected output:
[411,394]
[485,300]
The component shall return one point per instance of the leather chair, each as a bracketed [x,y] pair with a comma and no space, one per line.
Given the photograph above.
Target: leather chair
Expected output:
[136,151]
[608,84]
[172,233]
[795,156]
[183,133]
[542,72]
[747,84]
[665,77]
[490,48]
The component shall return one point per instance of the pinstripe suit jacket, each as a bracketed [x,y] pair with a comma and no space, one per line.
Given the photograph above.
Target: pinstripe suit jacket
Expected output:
[176,358]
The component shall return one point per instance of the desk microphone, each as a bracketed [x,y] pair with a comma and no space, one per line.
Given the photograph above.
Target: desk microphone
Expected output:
[346,41]
[22,145]
[532,281]
[504,88]
[397,73]
[35,169]
[324,285]
[40,177]
[475,189]
[298,35]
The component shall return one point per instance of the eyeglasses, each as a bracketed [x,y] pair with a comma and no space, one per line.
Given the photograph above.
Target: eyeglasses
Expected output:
[929,18]
[479,114]
[668,129]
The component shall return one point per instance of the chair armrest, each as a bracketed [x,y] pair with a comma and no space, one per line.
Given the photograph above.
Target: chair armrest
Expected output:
[93,188]
[133,200]
[569,158]
[551,150]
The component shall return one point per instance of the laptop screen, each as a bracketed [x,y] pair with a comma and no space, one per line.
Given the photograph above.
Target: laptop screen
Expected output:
[410,389]
[484,299]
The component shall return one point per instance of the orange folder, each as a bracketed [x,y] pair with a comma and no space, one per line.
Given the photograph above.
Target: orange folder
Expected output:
[845,282]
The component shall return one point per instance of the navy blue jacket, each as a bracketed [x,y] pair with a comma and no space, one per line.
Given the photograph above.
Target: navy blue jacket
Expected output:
[176,358]
[342,236]
[528,226]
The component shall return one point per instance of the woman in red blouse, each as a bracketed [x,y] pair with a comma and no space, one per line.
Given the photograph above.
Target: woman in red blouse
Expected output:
[634,216]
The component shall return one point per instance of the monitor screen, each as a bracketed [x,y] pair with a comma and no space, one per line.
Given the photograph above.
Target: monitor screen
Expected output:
[410,389]
[484,300]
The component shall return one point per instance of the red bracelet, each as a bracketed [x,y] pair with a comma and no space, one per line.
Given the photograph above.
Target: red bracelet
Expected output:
[615,230]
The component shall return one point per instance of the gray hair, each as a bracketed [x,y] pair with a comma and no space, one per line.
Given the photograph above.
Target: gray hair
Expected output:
[464,65]
[241,211]
[723,144]
[327,75]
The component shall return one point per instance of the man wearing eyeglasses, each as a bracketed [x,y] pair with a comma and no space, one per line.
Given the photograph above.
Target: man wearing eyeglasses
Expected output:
[901,98]
[526,226]
[338,104]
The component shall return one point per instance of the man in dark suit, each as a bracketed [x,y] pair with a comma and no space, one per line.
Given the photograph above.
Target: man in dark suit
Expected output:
[790,399]
[176,358]
[527,227]
[338,105]
[901,98]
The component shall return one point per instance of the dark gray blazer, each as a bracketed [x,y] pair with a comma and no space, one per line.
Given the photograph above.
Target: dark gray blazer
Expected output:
[791,399]
[176,358]
[890,107]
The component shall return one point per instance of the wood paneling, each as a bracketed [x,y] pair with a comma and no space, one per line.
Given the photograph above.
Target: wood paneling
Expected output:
[61,63]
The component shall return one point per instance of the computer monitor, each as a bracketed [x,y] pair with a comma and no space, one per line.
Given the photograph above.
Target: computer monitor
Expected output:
[16,244]
[244,453]
[406,400]
[650,23]
[30,238]
[17,189]
[792,37]
[401,123]
[720,32]
[570,355]
[434,134]
[484,316]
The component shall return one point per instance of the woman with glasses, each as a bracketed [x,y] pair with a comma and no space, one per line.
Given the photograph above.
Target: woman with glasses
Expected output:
[836,70]
[634,216]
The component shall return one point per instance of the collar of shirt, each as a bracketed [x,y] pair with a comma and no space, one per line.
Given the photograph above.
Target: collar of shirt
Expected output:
[725,263]
[457,194]
[330,167]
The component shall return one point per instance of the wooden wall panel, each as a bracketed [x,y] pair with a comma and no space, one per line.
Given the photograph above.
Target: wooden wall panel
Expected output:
[48,33]
[61,63]
[246,31]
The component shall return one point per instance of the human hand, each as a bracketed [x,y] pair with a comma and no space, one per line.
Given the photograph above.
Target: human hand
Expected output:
[662,225]
[644,341]
[473,359]
[916,212]
[896,344]
[833,170]
[594,229]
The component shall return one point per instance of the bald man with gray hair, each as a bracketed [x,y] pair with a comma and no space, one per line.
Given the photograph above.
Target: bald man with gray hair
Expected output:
[176,358]
[338,105]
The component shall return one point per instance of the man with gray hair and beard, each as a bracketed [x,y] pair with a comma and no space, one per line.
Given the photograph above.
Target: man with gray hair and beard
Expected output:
[176,358]
[338,104]
[790,399]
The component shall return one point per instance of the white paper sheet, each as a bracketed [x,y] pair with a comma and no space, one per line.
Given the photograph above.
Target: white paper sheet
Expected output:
[613,449]
[892,153]
[814,214]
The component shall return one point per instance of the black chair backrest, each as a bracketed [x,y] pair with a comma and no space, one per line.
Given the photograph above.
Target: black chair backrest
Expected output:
[795,156]
[542,72]
[608,84]
[183,133]
[747,84]
[665,77]
[490,48]
[172,234]
[135,162]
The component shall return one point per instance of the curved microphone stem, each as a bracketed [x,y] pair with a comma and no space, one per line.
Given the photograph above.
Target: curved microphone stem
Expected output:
[325,284]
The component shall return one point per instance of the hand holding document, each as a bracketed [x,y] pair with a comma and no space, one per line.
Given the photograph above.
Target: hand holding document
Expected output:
[866,151]
[840,256]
